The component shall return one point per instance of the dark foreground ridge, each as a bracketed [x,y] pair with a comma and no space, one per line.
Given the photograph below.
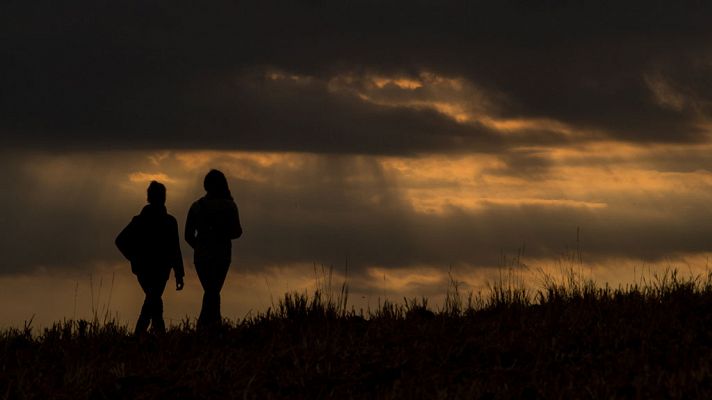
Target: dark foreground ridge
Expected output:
[567,341]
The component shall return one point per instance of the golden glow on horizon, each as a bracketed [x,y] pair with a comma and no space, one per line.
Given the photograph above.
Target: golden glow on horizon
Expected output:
[390,280]
[48,297]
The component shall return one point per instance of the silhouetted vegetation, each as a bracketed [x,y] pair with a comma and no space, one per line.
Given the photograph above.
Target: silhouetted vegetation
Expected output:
[571,339]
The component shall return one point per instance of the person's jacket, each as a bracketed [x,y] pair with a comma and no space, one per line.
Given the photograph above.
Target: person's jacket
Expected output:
[211,225]
[150,242]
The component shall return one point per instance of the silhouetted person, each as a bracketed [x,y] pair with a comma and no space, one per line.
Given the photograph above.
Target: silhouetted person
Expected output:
[150,241]
[213,221]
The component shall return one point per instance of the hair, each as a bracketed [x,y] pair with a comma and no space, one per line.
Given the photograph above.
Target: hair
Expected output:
[215,184]
[156,193]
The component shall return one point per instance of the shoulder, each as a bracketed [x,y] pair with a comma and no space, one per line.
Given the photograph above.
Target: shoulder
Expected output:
[196,205]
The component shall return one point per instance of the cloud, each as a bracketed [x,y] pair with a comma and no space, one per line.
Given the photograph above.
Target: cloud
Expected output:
[378,212]
[157,75]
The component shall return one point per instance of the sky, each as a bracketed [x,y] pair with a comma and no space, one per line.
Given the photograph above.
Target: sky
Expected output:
[402,144]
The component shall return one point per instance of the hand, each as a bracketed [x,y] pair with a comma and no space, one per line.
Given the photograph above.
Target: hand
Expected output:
[179,283]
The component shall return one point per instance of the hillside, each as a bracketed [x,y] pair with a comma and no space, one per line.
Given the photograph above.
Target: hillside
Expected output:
[572,340]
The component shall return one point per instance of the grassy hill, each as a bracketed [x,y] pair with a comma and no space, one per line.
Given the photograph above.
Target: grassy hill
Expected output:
[568,340]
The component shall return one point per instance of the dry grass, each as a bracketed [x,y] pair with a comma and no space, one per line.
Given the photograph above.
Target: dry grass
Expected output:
[571,339]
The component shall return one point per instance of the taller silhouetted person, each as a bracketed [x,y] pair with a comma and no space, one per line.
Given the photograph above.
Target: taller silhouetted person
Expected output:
[213,221]
[150,241]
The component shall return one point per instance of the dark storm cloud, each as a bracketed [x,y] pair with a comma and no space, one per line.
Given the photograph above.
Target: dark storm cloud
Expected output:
[157,74]
[255,113]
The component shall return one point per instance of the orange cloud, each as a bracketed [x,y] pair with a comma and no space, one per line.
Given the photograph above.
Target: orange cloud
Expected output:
[144,177]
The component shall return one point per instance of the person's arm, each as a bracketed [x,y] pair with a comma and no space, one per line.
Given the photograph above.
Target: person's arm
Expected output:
[125,242]
[190,227]
[178,271]
[236,228]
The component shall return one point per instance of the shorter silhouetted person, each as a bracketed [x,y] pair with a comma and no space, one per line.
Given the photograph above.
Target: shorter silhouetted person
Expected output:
[150,242]
[213,221]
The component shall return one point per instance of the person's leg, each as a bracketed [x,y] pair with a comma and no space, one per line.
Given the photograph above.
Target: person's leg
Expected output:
[211,296]
[157,288]
[152,310]
[211,301]
[157,323]
[212,278]
[219,280]
[201,270]
[144,318]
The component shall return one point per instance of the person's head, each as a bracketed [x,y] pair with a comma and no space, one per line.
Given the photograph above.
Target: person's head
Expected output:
[215,184]
[156,193]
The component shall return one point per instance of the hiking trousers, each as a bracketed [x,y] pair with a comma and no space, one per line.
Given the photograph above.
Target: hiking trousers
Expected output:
[152,309]
[212,277]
